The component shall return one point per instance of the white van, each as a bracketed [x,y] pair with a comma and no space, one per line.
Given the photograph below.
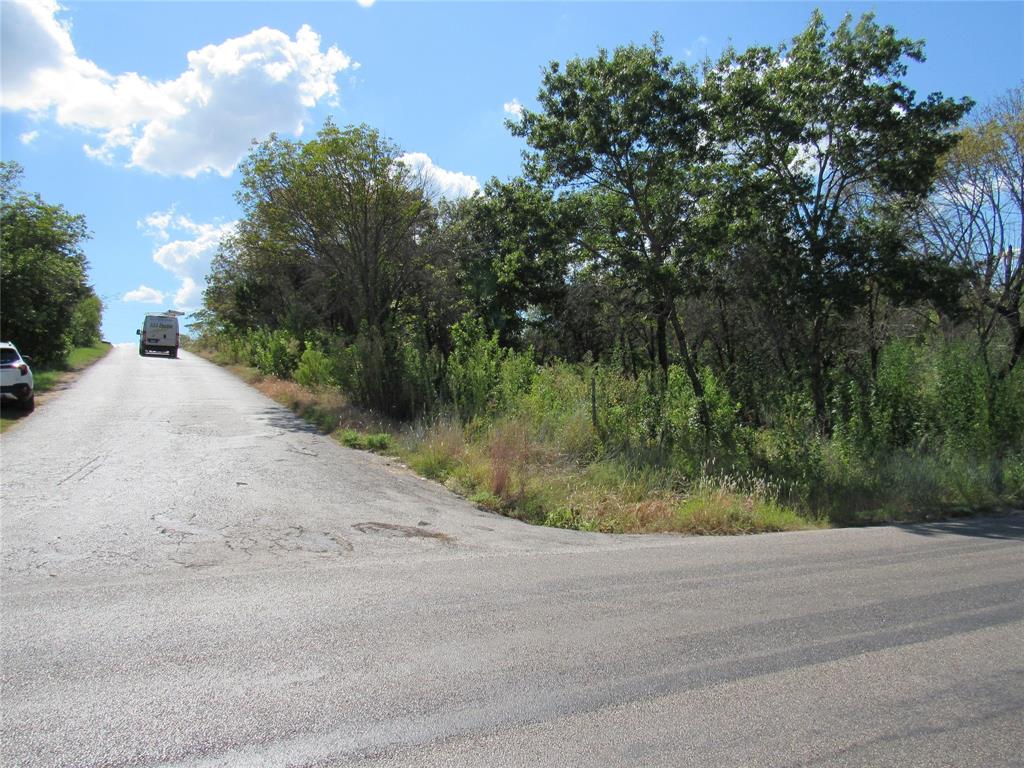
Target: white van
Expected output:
[159,333]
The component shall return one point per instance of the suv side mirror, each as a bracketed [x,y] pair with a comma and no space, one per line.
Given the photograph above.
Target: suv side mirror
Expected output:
[138,331]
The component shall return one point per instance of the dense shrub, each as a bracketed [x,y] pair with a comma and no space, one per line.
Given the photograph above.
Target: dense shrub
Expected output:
[274,353]
[315,369]
[473,368]
[482,377]
[387,373]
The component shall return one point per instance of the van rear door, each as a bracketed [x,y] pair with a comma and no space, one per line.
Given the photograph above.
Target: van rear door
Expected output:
[161,331]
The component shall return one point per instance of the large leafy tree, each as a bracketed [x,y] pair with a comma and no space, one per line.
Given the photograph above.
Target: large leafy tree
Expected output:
[624,132]
[45,301]
[333,228]
[833,152]
[512,247]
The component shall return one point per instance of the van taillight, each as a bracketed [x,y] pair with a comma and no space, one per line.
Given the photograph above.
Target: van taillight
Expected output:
[24,369]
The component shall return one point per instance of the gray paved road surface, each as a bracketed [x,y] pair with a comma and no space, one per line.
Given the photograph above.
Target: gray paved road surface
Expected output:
[190,577]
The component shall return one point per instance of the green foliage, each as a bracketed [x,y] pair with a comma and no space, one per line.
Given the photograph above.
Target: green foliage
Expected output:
[387,373]
[557,408]
[226,346]
[622,137]
[473,368]
[511,243]
[46,303]
[435,451]
[482,376]
[380,442]
[839,349]
[682,414]
[515,377]
[334,233]
[315,369]
[814,121]
[86,320]
[274,353]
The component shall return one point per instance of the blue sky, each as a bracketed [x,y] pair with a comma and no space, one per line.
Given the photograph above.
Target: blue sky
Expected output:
[135,113]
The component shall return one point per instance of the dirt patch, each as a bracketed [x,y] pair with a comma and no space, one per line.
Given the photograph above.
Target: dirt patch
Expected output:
[402,531]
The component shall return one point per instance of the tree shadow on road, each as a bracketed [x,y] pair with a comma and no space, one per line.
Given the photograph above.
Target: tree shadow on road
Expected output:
[1009,525]
[281,418]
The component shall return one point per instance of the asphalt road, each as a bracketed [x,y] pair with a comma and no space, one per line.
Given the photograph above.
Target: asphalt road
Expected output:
[191,577]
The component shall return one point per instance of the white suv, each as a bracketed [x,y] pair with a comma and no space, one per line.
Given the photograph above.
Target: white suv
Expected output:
[16,377]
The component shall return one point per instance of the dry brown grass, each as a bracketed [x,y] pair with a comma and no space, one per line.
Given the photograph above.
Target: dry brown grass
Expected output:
[328,409]
[508,449]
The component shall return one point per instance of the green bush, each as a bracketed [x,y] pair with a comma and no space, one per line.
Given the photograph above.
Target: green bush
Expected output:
[86,321]
[378,442]
[474,367]
[515,377]
[274,353]
[315,369]
[387,373]
[682,412]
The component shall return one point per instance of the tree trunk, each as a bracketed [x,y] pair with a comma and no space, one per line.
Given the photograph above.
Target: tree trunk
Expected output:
[691,372]
[816,369]
[662,339]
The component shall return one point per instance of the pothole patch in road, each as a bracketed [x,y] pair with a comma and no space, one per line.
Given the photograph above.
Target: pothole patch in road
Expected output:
[295,538]
[196,547]
[393,531]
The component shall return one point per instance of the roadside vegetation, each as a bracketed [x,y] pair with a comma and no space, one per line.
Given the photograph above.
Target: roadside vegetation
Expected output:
[772,293]
[47,308]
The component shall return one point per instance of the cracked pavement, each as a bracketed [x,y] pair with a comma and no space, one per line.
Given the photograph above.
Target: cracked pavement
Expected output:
[193,577]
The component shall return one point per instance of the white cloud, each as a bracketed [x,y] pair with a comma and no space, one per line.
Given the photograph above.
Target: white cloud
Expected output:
[366,3]
[446,183]
[157,224]
[700,44]
[513,108]
[189,294]
[185,249]
[203,120]
[145,295]
[28,137]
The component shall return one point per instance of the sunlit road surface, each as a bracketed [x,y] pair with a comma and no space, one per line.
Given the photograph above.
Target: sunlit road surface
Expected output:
[192,577]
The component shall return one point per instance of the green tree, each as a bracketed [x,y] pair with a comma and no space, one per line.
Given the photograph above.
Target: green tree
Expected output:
[86,320]
[338,241]
[342,216]
[44,298]
[833,152]
[625,133]
[513,244]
